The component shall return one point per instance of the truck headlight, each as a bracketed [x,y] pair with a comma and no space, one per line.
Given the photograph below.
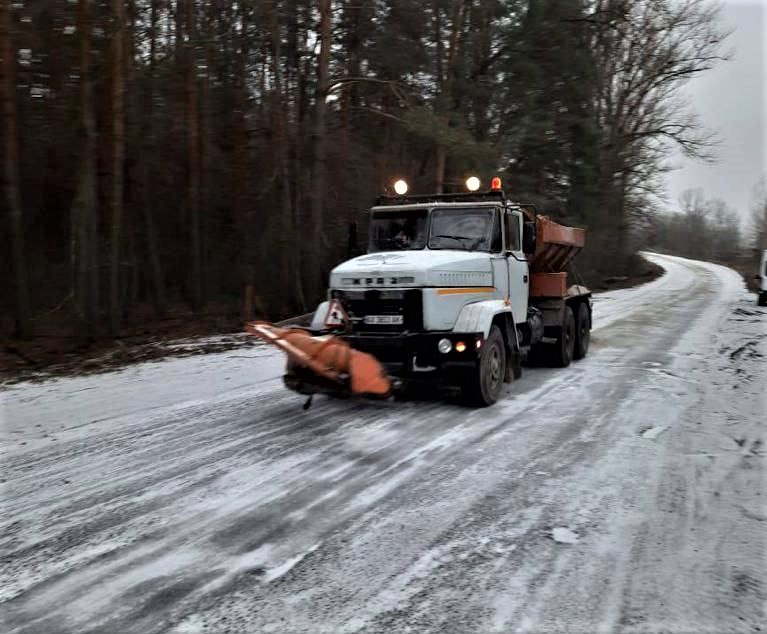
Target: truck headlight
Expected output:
[444,346]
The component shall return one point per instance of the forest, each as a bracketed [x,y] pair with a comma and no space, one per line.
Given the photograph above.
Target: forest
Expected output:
[707,229]
[212,156]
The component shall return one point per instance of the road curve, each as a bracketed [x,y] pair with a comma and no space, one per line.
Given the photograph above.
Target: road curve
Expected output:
[624,493]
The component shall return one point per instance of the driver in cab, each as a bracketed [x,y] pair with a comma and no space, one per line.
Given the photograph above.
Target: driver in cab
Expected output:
[407,234]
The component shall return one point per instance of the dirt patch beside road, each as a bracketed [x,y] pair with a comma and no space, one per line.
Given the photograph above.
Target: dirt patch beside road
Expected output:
[39,358]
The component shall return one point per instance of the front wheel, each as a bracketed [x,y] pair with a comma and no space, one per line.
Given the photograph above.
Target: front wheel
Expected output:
[483,388]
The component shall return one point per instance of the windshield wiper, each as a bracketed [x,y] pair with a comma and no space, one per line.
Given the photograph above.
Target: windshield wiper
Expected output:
[457,238]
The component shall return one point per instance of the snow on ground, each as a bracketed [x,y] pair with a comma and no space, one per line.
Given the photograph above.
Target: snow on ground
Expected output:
[623,493]
[66,407]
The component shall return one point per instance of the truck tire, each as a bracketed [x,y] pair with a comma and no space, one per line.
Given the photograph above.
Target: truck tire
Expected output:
[484,387]
[582,331]
[563,350]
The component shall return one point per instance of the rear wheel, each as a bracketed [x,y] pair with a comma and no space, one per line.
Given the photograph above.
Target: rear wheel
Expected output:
[562,351]
[484,387]
[583,331]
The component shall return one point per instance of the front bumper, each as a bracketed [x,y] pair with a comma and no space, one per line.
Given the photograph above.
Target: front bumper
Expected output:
[415,356]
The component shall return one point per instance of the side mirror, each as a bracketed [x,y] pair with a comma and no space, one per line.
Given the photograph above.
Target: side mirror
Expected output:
[528,237]
[353,248]
[358,238]
[351,241]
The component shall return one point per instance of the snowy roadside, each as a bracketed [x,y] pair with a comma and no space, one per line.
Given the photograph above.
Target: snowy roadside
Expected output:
[36,413]
[44,360]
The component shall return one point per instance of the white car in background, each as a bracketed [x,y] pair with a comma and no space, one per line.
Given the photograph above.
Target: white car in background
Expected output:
[762,278]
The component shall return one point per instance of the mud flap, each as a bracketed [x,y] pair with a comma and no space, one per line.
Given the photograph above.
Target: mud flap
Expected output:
[514,365]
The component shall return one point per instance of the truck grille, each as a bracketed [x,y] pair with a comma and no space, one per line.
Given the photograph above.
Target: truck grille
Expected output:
[406,303]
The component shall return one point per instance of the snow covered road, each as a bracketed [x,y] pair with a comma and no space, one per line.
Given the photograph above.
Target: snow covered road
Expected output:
[625,493]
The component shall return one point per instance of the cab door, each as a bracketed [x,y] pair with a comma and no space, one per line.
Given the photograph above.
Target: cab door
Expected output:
[519,272]
[498,257]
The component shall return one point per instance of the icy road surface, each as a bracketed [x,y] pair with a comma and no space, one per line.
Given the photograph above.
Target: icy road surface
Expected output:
[625,493]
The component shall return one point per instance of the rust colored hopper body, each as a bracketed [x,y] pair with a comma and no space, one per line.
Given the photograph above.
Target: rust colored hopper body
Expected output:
[556,246]
[333,361]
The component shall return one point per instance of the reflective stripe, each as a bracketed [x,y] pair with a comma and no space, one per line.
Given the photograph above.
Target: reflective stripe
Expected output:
[475,289]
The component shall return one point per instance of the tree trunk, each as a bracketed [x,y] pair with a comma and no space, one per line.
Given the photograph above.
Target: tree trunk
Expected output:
[283,228]
[84,255]
[11,169]
[158,283]
[295,84]
[178,34]
[118,164]
[441,161]
[445,98]
[246,215]
[193,129]
[319,155]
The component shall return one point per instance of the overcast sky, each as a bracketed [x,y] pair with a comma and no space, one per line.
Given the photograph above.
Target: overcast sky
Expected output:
[732,100]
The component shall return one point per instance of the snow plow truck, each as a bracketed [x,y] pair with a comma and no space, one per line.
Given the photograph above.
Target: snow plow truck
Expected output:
[454,290]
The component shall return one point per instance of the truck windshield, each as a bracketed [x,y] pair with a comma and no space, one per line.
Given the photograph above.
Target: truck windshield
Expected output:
[397,230]
[469,229]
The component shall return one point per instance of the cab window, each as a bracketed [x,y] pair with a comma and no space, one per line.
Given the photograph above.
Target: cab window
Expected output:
[512,232]
[496,244]
[398,229]
[462,228]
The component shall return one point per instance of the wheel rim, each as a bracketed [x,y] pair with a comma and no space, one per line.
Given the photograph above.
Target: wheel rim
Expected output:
[493,368]
[568,340]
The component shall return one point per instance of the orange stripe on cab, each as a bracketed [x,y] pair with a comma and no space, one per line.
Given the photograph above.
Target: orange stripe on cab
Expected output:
[467,289]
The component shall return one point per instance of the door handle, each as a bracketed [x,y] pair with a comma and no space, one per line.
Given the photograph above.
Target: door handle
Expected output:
[524,279]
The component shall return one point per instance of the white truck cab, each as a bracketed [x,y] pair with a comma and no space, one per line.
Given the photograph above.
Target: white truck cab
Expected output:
[456,253]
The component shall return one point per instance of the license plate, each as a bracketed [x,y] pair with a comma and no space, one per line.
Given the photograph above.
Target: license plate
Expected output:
[384,320]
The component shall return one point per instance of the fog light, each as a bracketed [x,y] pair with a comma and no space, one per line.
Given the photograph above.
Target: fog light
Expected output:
[460,346]
[444,346]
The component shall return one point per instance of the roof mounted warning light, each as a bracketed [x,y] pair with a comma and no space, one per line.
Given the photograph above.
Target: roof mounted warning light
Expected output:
[472,183]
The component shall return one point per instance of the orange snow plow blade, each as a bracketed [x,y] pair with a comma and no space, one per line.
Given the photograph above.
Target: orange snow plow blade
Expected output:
[347,370]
